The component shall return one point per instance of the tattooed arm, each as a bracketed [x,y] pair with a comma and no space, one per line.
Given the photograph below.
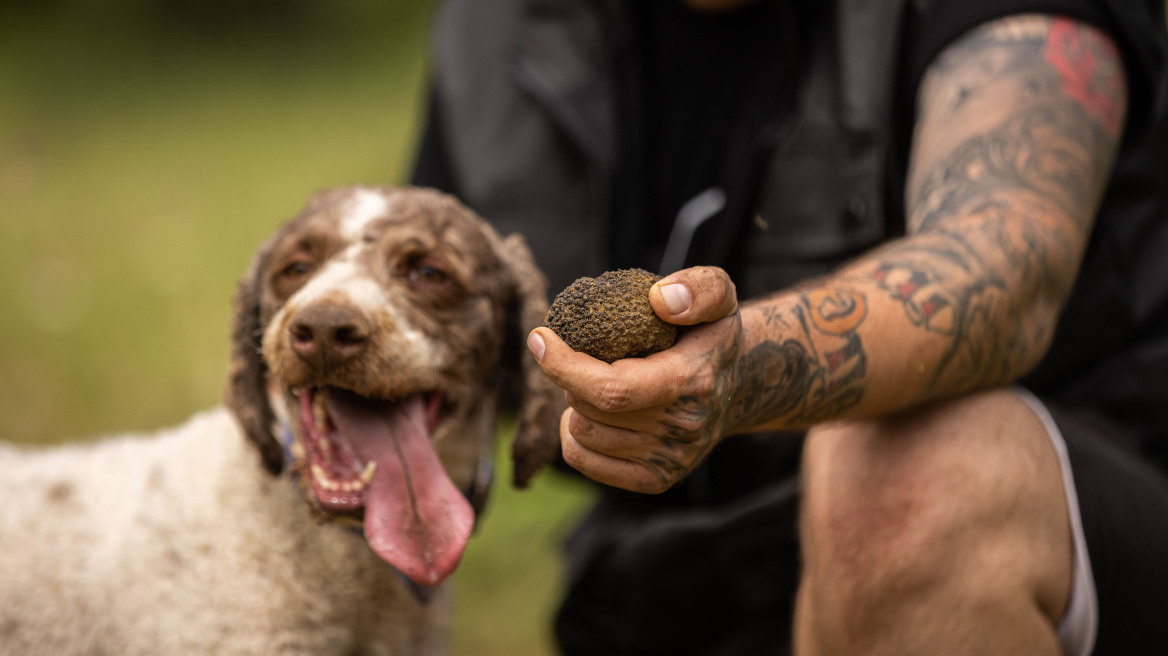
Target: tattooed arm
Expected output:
[1017,128]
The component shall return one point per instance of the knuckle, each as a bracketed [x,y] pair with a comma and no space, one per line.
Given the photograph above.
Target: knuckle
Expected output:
[714,291]
[688,427]
[683,427]
[655,484]
[711,278]
[571,454]
[583,429]
[614,395]
[710,274]
[703,385]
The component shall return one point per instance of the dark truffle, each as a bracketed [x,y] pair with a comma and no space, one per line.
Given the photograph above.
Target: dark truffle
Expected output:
[609,317]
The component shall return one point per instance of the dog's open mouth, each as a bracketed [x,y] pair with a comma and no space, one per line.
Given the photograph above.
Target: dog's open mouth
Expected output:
[377,456]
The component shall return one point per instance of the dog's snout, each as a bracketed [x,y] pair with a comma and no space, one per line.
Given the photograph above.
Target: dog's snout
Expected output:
[327,335]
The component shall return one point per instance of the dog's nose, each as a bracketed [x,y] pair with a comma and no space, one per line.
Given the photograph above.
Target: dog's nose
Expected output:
[326,335]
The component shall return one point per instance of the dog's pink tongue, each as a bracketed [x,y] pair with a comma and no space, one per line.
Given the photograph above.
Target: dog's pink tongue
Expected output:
[415,518]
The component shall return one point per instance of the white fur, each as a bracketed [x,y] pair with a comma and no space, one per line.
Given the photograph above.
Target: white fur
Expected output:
[342,279]
[365,206]
[235,563]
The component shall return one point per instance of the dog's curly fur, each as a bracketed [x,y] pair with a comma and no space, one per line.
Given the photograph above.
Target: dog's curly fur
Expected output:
[208,538]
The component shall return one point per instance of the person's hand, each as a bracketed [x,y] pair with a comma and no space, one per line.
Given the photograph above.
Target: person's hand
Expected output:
[643,424]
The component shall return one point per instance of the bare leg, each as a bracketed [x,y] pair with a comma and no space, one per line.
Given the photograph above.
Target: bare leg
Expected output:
[941,531]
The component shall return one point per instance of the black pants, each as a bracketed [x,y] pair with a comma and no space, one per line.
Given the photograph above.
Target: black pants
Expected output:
[709,567]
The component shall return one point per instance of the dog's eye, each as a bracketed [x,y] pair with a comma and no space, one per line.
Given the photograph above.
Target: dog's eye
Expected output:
[296,269]
[292,275]
[428,271]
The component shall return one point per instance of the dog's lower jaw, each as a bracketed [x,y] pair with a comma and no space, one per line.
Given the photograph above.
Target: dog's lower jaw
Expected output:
[361,459]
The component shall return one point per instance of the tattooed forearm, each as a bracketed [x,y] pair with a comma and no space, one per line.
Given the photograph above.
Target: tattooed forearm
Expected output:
[977,283]
[812,368]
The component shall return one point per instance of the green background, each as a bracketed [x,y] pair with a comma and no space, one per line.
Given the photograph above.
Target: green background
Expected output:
[146,147]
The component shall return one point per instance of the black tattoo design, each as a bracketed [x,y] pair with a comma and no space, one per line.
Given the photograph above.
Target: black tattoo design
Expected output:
[815,371]
[1034,153]
[1001,217]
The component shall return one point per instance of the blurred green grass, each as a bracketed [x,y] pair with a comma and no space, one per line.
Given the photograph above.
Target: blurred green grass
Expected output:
[146,147]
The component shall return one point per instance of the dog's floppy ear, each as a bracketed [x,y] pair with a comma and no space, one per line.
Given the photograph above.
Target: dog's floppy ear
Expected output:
[247,386]
[540,402]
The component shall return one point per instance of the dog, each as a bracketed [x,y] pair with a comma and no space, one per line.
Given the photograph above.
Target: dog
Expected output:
[377,337]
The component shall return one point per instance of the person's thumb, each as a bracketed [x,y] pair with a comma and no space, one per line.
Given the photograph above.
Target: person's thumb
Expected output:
[695,295]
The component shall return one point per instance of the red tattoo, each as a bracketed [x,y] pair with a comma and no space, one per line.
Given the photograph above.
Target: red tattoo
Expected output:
[1088,66]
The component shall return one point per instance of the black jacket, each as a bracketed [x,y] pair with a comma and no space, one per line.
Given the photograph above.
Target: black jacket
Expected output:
[524,126]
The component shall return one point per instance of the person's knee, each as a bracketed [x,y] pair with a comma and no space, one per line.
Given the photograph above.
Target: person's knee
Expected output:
[905,507]
[877,505]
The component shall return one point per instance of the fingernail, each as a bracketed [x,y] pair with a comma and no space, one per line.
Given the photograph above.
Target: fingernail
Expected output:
[535,345]
[676,298]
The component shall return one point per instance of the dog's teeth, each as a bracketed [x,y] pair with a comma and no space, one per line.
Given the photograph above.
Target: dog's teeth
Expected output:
[323,480]
[319,414]
[367,473]
[326,482]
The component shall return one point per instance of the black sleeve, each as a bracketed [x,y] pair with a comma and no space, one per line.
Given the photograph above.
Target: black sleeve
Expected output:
[432,162]
[1137,26]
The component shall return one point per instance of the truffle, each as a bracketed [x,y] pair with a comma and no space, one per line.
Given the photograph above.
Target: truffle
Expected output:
[609,317]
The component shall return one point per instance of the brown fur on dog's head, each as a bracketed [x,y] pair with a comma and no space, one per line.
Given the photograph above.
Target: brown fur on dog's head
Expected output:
[503,273]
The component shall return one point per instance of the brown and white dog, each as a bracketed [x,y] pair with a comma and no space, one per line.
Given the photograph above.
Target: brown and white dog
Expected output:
[376,334]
